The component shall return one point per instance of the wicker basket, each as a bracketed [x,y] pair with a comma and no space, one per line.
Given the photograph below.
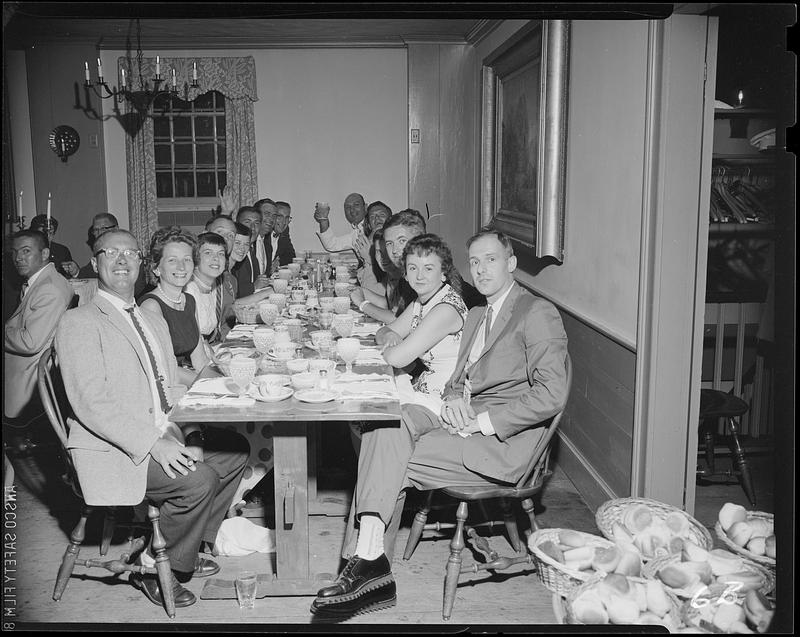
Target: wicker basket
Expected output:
[651,569]
[565,615]
[769,562]
[612,511]
[691,611]
[555,576]
[246,313]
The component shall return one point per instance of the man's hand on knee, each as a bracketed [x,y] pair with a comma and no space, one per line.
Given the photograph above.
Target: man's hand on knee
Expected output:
[171,454]
[456,413]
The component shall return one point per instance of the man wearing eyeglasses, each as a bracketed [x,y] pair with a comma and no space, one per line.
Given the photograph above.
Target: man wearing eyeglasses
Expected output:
[102,223]
[120,377]
[280,250]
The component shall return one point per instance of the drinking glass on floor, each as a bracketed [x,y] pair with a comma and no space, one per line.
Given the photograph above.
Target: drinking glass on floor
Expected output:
[246,585]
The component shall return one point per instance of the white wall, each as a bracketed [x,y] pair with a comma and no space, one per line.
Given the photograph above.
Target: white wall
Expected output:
[328,122]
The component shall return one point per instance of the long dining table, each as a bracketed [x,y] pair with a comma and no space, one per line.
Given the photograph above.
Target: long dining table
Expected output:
[292,422]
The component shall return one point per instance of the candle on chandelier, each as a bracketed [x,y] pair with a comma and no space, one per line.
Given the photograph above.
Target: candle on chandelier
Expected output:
[174,79]
[99,68]
[194,71]
[86,72]
[48,210]
[123,79]
[158,66]
[19,211]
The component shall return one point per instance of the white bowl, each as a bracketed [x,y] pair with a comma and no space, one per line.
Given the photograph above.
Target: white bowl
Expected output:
[305,380]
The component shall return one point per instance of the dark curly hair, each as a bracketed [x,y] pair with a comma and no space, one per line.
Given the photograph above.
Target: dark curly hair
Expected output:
[425,244]
[170,234]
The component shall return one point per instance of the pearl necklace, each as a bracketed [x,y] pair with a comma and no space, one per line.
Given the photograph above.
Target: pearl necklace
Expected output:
[166,296]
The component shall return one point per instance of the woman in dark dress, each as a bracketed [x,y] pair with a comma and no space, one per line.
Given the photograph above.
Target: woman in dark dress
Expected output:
[172,253]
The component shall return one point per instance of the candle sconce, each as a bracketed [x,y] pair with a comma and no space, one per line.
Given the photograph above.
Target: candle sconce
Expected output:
[64,141]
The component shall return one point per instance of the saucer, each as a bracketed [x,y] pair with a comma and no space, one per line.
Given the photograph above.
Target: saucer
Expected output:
[315,395]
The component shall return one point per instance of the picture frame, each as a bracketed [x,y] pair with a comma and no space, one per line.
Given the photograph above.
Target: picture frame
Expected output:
[524,133]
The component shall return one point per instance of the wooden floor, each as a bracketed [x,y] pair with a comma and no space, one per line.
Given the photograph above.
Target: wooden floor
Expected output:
[511,598]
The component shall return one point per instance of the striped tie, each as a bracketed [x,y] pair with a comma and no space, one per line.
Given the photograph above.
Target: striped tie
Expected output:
[162,395]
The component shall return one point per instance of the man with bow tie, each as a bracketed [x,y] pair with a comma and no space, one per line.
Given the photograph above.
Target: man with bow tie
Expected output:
[254,264]
[280,250]
[510,378]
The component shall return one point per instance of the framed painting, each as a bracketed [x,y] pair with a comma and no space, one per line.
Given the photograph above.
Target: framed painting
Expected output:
[524,131]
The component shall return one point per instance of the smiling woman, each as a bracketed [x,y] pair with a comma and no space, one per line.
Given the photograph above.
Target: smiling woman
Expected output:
[172,252]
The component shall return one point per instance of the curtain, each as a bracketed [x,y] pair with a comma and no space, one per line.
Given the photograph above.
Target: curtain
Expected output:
[235,78]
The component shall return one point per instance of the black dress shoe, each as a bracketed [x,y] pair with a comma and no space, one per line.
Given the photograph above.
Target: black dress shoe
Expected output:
[383,597]
[358,577]
[205,567]
[149,585]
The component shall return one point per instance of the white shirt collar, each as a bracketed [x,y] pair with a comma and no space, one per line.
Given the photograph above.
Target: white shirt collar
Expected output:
[117,302]
[498,304]
[35,276]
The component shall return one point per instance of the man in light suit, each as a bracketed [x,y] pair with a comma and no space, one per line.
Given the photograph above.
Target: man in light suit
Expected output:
[120,376]
[509,378]
[46,294]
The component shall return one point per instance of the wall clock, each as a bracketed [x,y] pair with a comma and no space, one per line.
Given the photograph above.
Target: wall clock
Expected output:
[64,141]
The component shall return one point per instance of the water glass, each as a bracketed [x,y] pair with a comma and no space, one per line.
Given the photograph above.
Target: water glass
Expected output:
[295,327]
[280,285]
[326,318]
[341,304]
[243,370]
[246,587]
[278,298]
[348,349]
[282,334]
[343,324]
[263,338]
[268,312]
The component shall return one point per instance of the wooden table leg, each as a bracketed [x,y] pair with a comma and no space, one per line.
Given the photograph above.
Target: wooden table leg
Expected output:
[313,437]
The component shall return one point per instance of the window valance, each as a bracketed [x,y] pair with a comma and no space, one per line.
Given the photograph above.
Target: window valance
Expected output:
[234,77]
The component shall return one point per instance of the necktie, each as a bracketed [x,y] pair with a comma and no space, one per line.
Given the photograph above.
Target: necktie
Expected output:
[487,326]
[24,290]
[219,304]
[159,379]
[251,256]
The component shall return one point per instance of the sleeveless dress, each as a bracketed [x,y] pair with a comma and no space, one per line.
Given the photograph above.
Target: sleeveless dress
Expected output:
[183,330]
[439,361]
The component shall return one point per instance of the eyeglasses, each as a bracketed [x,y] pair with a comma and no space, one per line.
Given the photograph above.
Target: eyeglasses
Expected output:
[113,253]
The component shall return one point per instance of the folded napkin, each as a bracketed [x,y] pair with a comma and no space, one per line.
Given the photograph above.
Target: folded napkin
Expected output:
[238,336]
[368,386]
[370,356]
[218,385]
[210,401]
[366,329]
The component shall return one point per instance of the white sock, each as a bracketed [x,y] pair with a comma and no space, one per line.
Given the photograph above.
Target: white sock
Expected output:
[146,560]
[370,537]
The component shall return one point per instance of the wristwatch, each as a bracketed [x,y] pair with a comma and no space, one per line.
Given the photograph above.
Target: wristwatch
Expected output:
[362,305]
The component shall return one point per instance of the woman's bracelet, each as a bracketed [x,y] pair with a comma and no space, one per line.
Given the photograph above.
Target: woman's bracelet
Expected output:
[362,305]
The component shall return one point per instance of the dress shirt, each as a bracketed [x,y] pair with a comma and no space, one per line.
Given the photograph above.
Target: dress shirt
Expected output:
[27,284]
[484,422]
[160,418]
[261,255]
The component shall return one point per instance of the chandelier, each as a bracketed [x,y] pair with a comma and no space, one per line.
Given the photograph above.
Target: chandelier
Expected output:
[141,94]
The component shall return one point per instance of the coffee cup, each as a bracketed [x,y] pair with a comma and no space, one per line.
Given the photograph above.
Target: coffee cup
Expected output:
[298,296]
[283,350]
[321,336]
[285,273]
[318,364]
[294,268]
[296,308]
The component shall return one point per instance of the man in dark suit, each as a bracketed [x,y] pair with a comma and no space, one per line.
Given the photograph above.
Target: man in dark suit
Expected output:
[280,250]
[249,269]
[509,378]
[120,376]
[60,255]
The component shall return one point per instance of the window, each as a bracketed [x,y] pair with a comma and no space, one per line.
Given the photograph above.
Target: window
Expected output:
[189,149]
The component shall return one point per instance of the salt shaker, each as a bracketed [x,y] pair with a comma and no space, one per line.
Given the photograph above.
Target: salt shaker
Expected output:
[323,380]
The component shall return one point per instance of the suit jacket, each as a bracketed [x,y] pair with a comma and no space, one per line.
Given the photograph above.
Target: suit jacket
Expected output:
[283,255]
[58,254]
[245,276]
[520,378]
[28,332]
[112,429]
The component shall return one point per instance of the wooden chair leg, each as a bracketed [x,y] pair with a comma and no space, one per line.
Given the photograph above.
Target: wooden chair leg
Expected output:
[71,554]
[527,506]
[162,562]
[709,440]
[511,525]
[741,463]
[109,523]
[417,526]
[453,568]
